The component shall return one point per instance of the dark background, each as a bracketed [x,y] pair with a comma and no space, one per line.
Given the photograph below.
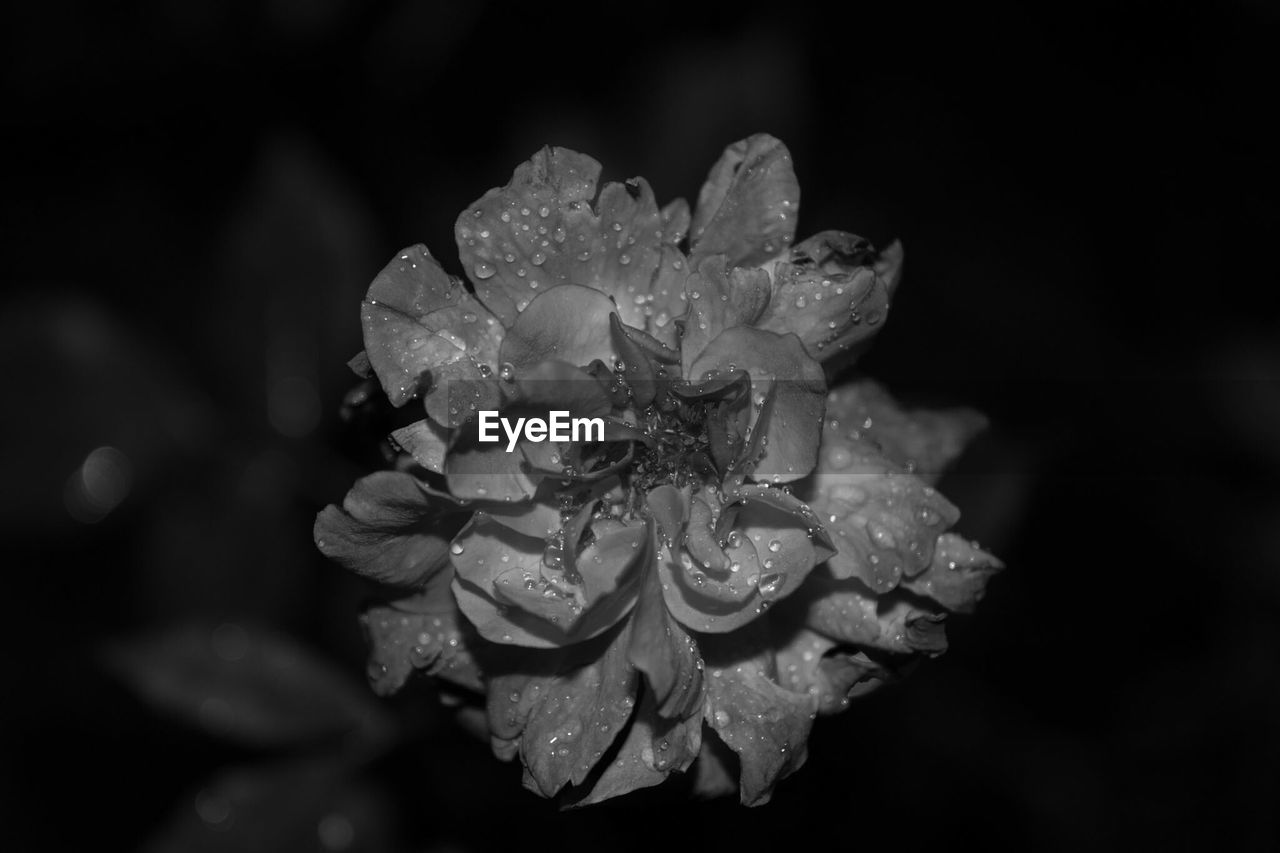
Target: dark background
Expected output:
[196,195]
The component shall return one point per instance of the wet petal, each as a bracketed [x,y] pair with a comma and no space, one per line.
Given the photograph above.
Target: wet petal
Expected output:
[747,208]
[884,522]
[416,320]
[957,577]
[669,299]
[766,724]
[810,663]
[665,653]
[426,441]
[388,529]
[653,748]
[486,471]
[576,717]
[566,323]
[538,216]
[719,299]
[540,231]
[791,446]
[513,596]
[415,284]
[422,632]
[829,293]
[846,611]
[920,441]
[782,542]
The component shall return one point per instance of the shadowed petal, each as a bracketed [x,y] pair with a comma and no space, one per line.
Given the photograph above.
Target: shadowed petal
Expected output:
[423,632]
[957,577]
[388,529]
[800,386]
[809,662]
[766,724]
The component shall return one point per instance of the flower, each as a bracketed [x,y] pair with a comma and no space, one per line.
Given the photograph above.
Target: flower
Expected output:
[744,550]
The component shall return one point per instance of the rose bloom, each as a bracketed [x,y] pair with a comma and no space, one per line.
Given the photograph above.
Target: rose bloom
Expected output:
[744,550]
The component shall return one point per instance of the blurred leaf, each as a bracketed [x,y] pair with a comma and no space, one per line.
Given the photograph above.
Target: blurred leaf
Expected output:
[254,688]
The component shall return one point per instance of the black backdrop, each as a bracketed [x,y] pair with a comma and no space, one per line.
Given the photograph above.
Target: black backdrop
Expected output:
[197,193]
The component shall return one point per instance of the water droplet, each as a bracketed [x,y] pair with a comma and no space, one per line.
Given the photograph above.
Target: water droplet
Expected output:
[775,546]
[484,271]
[456,548]
[770,583]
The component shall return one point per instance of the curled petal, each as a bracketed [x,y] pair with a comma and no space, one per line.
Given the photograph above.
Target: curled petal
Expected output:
[423,632]
[426,441]
[567,323]
[675,222]
[389,529]
[791,445]
[747,207]
[811,663]
[829,293]
[957,577]
[665,653]
[846,611]
[514,594]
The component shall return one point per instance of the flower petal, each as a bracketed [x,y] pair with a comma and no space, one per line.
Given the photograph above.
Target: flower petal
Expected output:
[546,202]
[540,231]
[919,441]
[829,293]
[654,747]
[424,632]
[513,595]
[957,577]
[766,724]
[417,320]
[846,611]
[567,323]
[486,471]
[719,298]
[426,441]
[388,529]
[666,655]
[413,283]
[577,716]
[809,662]
[669,300]
[884,522]
[800,384]
[747,208]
